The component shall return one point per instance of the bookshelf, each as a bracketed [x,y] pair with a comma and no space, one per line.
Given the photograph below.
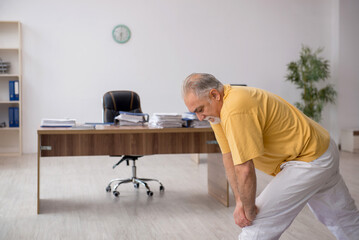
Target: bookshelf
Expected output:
[10,51]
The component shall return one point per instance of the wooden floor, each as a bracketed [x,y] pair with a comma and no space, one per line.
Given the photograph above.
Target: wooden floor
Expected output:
[76,206]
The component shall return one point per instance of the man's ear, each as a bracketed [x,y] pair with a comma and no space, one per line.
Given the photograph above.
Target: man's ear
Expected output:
[214,94]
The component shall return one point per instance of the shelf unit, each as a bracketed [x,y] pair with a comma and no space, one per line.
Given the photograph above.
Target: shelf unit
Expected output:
[10,51]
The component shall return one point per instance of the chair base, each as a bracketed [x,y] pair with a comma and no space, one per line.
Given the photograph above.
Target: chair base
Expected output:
[134,179]
[136,182]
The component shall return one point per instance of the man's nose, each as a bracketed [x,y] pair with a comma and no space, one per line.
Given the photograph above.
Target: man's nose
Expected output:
[200,116]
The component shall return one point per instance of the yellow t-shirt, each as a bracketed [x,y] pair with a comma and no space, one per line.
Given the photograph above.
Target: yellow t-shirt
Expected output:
[258,125]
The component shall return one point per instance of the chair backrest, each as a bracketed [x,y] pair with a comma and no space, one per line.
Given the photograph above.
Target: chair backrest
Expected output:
[116,101]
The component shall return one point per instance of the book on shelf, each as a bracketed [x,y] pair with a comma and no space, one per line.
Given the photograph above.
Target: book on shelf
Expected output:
[11,117]
[14,90]
[4,67]
[16,116]
[60,122]
[14,120]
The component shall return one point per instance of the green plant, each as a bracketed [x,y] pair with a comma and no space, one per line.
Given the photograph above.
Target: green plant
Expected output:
[306,73]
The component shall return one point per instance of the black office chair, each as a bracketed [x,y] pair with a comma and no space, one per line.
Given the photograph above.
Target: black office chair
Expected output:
[113,103]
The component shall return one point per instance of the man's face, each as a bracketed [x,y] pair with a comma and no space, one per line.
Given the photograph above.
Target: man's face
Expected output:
[205,108]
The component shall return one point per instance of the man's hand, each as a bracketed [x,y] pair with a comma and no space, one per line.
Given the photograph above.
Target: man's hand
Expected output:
[242,179]
[251,214]
[247,184]
[243,219]
[240,217]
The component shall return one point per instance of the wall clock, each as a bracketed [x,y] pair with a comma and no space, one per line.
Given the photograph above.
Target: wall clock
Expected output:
[121,33]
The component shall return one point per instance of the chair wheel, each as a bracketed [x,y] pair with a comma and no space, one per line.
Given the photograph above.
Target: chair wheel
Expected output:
[136,185]
[162,188]
[149,193]
[108,189]
[116,193]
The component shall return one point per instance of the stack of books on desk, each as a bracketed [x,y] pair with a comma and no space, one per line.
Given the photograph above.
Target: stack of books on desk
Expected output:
[200,124]
[84,126]
[63,122]
[191,120]
[131,119]
[166,120]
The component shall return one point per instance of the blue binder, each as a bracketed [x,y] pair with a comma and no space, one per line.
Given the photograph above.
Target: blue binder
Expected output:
[14,90]
[11,117]
[16,117]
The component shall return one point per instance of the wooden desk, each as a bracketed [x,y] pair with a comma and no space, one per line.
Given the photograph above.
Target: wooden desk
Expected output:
[116,140]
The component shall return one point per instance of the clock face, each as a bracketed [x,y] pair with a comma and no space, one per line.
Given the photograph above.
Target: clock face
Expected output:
[121,33]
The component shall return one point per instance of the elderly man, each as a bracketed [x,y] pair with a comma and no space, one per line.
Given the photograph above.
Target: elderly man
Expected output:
[258,129]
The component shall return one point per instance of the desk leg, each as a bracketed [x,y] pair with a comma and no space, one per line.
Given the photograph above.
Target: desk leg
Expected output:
[218,186]
[195,157]
[38,172]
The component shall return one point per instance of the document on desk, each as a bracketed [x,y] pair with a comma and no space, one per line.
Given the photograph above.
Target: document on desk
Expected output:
[166,120]
[131,119]
[60,122]
[191,120]
[84,126]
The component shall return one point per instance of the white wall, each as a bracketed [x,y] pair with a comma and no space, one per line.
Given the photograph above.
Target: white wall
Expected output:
[348,81]
[70,59]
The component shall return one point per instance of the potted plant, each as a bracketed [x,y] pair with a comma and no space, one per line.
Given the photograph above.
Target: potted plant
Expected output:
[306,73]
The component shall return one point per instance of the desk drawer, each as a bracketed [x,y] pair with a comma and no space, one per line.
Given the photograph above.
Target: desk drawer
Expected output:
[129,144]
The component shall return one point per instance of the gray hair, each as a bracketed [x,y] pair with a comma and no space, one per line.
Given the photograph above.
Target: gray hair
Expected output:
[200,84]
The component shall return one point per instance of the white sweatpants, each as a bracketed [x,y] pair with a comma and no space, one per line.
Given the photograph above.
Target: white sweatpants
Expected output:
[318,184]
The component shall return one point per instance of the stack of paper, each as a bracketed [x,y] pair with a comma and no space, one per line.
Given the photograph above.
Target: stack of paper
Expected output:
[189,116]
[191,120]
[131,119]
[63,122]
[166,120]
[200,124]
[84,126]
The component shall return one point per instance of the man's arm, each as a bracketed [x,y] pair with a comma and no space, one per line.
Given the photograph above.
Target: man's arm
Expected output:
[242,180]
[247,185]
[231,176]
